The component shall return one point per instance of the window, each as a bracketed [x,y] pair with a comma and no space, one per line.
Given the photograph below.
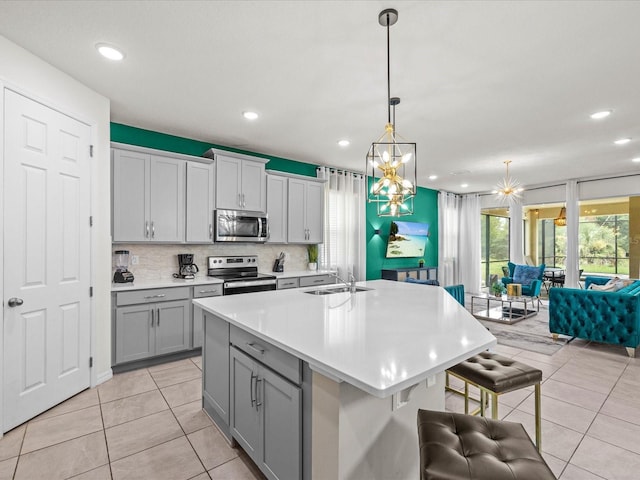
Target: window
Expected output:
[603,248]
[494,246]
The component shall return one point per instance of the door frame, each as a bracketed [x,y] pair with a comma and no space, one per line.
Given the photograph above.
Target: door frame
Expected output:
[7,85]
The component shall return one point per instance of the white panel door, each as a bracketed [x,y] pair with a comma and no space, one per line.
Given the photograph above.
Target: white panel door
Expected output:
[46,259]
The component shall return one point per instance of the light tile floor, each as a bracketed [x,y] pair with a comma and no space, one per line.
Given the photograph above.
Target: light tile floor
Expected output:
[145,424]
[148,424]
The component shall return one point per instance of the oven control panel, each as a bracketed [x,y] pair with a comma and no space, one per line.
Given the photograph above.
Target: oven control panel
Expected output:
[233,262]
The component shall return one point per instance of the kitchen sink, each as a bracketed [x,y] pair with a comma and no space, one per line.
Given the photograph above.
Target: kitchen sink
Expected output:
[330,291]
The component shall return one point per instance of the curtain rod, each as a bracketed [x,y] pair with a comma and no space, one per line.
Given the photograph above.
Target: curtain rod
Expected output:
[332,169]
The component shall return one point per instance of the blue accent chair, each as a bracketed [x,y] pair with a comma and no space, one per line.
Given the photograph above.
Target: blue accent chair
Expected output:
[606,317]
[530,290]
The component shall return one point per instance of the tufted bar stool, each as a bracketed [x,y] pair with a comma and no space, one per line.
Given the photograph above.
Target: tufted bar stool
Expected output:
[454,446]
[494,375]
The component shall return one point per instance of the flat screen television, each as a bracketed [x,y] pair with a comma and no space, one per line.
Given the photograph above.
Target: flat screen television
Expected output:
[407,239]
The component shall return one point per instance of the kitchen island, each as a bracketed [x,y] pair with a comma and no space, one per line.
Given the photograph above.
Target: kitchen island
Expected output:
[332,379]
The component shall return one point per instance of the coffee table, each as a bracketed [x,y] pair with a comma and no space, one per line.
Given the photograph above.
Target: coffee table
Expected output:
[501,309]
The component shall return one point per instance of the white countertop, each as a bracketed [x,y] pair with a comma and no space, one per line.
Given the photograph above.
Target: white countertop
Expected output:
[381,340]
[170,282]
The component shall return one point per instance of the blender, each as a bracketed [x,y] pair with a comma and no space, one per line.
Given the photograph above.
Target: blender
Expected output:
[121,260]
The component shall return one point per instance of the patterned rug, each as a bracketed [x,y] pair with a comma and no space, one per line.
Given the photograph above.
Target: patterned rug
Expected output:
[529,334]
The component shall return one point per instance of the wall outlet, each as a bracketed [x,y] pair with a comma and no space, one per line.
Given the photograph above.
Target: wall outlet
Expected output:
[134,259]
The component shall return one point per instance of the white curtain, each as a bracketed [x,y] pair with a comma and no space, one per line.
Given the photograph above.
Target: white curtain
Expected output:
[448,233]
[516,244]
[573,233]
[469,244]
[344,223]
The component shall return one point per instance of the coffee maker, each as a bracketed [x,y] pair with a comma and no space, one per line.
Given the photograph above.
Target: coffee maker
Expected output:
[186,268]
[121,260]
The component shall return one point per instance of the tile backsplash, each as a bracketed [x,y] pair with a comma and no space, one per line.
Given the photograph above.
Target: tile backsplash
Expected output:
[160,262]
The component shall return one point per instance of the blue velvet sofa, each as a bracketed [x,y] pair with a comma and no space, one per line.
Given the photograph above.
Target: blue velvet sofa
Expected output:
[607,317]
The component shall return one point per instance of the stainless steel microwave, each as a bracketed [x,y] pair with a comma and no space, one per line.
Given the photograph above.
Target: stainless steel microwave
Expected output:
[241,226]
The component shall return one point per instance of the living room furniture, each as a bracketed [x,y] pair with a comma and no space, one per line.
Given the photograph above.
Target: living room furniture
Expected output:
[464,447]
[529,277]
[504,310]
[494,375]
[606,317]
[430,273]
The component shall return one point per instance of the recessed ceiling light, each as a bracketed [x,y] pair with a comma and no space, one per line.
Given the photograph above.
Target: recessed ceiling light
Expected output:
[464,185]
[250,115]
[602,114]
[109,51]
[622,141]
[433,177]
[344,143]
[636,160]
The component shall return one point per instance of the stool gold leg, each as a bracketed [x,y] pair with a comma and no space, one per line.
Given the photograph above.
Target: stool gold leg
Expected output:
[538,418]
[482,400]
[494,406]
[466,398]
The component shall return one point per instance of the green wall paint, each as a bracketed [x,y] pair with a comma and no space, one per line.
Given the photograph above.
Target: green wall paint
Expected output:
[425,206]
[170,143]
[426,211]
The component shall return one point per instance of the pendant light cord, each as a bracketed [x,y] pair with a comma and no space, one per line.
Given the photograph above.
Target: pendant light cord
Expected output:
[388,74]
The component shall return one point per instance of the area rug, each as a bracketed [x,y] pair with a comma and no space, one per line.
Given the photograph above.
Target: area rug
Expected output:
[529,334]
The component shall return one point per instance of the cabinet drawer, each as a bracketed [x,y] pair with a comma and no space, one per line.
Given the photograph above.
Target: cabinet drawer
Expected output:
[287,283]
[201,291]
[316,280]
[152,295]
[278,360]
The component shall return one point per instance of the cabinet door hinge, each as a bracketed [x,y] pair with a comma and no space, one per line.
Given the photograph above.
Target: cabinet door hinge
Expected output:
[90,362]
[91,291]
[91,151]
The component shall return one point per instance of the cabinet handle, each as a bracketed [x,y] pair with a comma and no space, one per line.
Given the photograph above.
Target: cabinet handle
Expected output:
[146,229]
[211,231]
[239,200]
[258,403]
[152,317]
[208,291]
[158,322]
[320,280]
[251,390]
[254,348]
[156,296]
[153,230]
[244,204]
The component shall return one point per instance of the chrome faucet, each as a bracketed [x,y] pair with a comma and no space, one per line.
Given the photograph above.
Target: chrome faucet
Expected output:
[351,283]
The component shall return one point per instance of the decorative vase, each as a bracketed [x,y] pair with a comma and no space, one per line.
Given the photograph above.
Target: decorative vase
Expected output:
[313,266]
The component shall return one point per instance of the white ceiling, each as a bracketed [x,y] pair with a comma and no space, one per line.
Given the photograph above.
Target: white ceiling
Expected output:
[480,82]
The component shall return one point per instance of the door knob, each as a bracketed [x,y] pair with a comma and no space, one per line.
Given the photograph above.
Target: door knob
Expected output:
[15,302]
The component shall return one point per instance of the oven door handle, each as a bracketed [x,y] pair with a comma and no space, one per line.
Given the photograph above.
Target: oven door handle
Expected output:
[259,227]
[249,283]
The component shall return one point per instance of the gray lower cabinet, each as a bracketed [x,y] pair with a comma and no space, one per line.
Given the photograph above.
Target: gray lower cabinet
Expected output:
[202,291]
[266,416]
[147,330]
[215,376]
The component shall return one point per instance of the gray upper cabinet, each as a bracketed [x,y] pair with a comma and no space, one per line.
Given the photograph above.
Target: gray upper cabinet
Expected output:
[277,188]
[240,184]
[148,197]
[200,197]
[305,211]
[130,171]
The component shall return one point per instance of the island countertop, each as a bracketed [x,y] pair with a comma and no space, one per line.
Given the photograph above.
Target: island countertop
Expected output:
[380,340]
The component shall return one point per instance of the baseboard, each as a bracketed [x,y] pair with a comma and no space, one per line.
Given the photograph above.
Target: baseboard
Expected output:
[104,376]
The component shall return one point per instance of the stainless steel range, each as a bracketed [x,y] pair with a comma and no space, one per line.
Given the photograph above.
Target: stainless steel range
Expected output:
[240,274]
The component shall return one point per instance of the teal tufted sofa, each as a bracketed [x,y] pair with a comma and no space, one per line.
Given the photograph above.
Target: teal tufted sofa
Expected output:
[607,317]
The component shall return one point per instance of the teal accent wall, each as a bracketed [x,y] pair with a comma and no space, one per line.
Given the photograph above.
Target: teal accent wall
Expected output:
[170,143]
[425,211]
[425,202]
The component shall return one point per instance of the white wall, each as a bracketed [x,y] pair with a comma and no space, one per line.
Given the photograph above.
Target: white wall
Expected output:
[21,70]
